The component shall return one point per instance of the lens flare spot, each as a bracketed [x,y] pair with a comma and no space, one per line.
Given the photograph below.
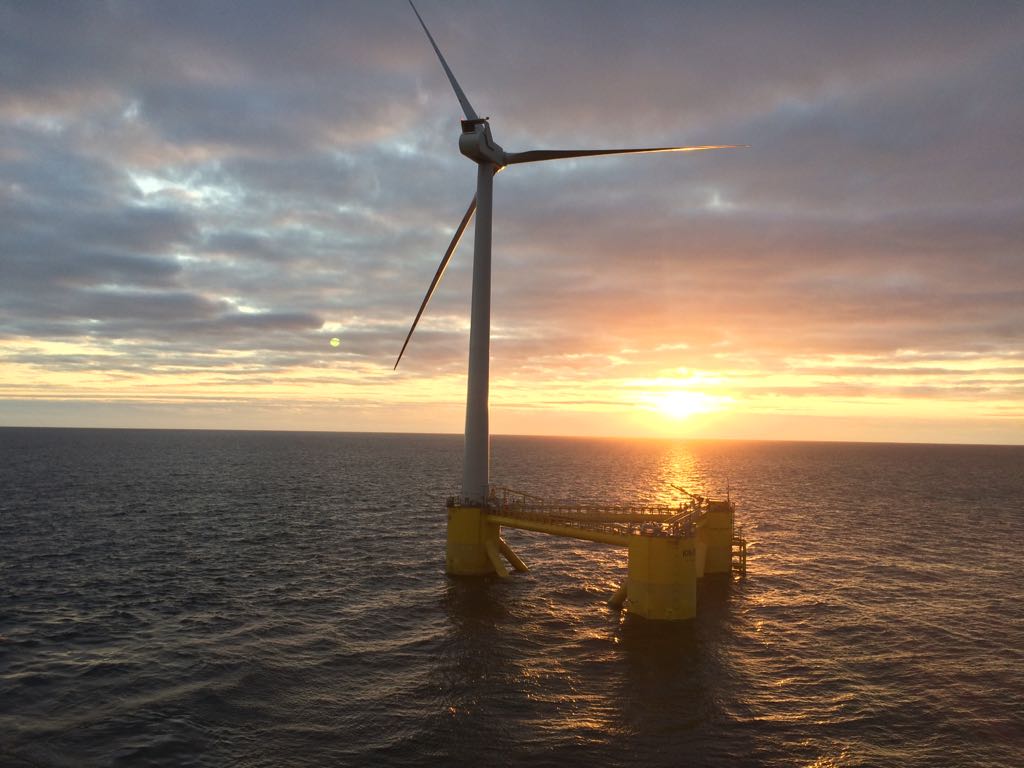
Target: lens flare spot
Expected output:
[335,341]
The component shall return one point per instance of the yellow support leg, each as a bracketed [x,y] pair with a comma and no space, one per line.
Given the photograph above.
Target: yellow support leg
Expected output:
[616,600]
[492,555]
[511,556]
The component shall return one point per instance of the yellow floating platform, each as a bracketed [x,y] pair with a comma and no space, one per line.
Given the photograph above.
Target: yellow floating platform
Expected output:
[669,548]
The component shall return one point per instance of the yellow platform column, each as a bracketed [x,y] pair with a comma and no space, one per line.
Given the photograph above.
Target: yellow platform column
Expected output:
[714,534]
[469,538]
[702,555]
[662,581]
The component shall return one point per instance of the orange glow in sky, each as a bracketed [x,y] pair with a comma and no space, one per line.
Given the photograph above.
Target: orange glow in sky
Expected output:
[198,232]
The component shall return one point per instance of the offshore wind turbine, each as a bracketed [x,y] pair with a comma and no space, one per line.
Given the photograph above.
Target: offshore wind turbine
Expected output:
[476,143]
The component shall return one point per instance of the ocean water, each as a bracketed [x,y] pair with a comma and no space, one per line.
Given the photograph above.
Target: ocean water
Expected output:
[279,599]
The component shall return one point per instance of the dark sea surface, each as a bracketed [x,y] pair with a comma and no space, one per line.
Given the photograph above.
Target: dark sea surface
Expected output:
[279,599]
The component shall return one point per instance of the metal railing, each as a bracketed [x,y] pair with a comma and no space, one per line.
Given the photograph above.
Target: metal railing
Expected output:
[640,519]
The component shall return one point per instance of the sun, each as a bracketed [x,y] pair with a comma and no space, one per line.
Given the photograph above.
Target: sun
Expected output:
[681,404]
[678,398]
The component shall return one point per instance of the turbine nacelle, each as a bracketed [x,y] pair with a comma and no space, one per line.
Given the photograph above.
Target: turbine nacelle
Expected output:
[477,144]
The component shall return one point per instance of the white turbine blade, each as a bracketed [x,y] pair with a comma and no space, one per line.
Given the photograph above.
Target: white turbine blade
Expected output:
[440,271]
[466,106]
[537,155]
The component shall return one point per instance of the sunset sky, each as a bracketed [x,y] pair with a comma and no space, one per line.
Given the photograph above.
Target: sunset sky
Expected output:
[195,198]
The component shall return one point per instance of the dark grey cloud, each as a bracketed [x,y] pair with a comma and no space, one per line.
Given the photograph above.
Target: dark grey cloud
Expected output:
[243,176]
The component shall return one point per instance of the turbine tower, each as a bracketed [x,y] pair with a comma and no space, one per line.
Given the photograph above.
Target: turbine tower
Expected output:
[476,143]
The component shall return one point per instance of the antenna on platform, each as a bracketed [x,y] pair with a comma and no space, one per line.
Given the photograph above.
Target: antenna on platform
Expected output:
[477,144]
[680,488]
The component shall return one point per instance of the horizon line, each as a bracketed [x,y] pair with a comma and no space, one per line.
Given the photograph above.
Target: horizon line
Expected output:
[650,438]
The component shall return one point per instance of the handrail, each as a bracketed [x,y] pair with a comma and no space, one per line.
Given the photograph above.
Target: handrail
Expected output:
[607,521]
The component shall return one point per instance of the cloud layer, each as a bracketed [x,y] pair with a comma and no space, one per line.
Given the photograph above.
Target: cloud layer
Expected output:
[191,188]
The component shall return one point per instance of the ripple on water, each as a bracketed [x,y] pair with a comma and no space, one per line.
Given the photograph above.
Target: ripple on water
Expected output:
[256,599]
